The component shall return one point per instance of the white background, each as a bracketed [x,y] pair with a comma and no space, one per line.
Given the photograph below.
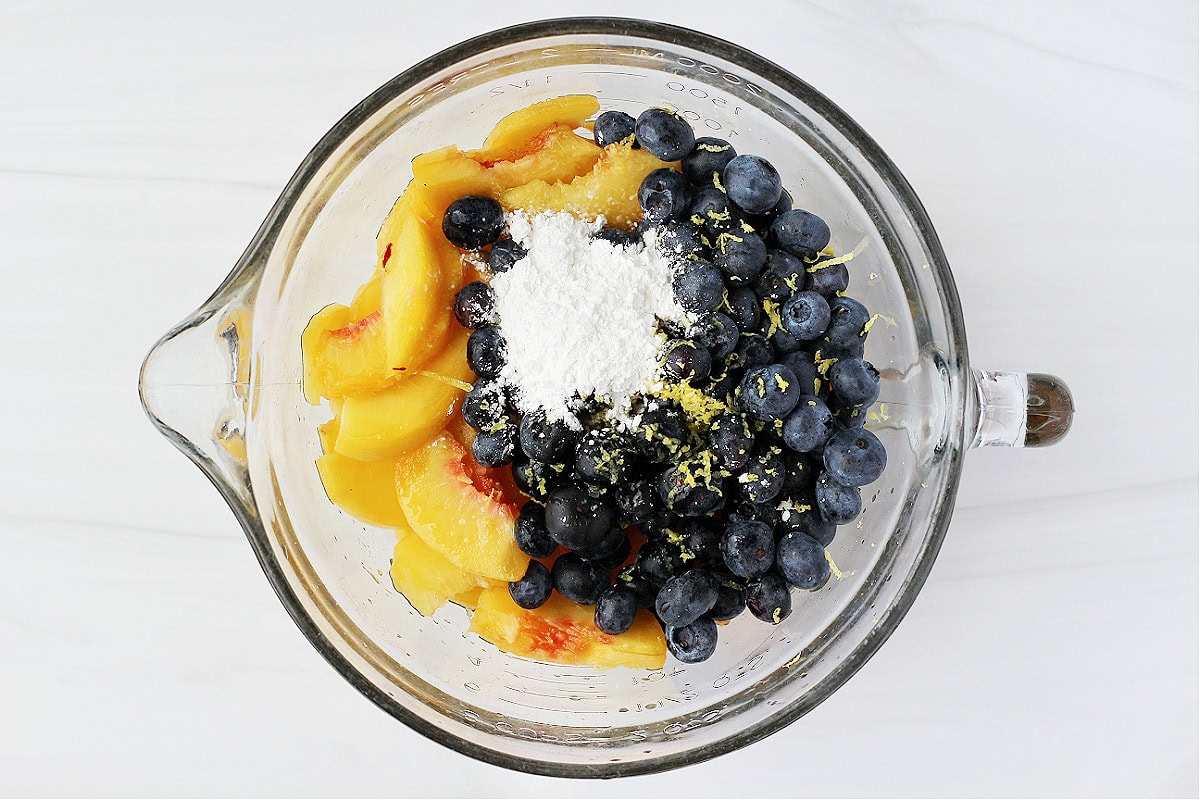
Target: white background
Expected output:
[1054,649]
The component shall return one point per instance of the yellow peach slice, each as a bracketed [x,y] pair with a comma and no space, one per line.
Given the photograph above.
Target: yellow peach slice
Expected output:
[425,578]
[413,296]
[511,133]
[556,154]
[367,297]
[471,526]
[388,423]
[563,631]
[609,189]
[366,490]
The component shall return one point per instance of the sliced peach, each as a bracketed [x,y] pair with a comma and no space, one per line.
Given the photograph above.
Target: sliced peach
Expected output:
[468,598]
[563,631]
[329,318]
[366,490]
[327,431]
[442,176]
[500,477]
[556,154]
[416,294]
[351,359]
[425,577]
[388,423]
[512,132]
[609,189]
[470,527]
[367,297]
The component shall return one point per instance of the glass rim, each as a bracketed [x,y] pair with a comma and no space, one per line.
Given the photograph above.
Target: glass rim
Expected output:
[268,232]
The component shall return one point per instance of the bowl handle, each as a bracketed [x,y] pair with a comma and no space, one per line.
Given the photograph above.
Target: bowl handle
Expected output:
[194,386]
[1017,409]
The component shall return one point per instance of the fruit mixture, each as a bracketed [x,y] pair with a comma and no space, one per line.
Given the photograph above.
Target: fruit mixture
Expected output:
[606,385]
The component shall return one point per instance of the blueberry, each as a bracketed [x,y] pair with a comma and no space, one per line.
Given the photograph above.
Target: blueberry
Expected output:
[475,305]
[685,361]
[530,531]
[855,382]
[664,134]
[806,315]
[763,221]
[731,601]
[721,387]
[473,222]
[578,580]
[783,275]
[544,439]
[715,332]
[847,416]
[495,446]
[809,425]
[763,478]
[535,478]
[740,256]
[636,501]
[783,343]
[731,440]
[801,233]
[534,588]
[768,598]
[486,351]
[828,281]
[692,487]
[611,552]
[708,156]
[504,254]
[616,609]
[698,286]
[801,363]
[702,540]
[798,472]
[765,512]
[485,405]
[811,524]
[645,591]
[713,212]
[664,194]
[681,238]
[753,184]
[748,547]
[657,562]
[802,561]
[576,520]
[603,456]
[618,237]
[854,457]
[847,319]
[752,351]
[612,127]
[837,503]
[744,308]
[685,598]
[691,644]
[769,392]
[661,432]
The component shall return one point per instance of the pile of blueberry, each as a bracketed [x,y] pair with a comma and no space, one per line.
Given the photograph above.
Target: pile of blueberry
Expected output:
[728,490]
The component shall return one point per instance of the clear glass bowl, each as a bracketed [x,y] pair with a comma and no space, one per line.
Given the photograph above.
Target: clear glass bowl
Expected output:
[224,387]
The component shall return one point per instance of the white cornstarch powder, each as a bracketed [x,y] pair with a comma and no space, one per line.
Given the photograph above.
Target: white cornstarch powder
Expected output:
[580,316]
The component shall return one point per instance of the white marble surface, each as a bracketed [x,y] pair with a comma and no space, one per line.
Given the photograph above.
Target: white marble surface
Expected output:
[1054,649]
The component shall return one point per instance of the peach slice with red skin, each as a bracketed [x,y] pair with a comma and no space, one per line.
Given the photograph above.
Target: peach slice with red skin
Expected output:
[511,133]
[609,189]
[564,632]
[469,524]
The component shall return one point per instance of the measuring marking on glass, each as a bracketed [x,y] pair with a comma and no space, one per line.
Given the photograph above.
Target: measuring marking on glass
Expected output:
[611,72]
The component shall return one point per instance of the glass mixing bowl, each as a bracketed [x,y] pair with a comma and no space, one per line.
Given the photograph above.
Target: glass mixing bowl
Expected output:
[224,387]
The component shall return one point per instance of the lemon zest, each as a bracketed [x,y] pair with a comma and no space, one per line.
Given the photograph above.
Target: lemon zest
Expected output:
[466,387]
[842,259]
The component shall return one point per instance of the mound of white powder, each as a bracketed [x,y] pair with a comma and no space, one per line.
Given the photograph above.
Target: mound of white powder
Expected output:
[580,316]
